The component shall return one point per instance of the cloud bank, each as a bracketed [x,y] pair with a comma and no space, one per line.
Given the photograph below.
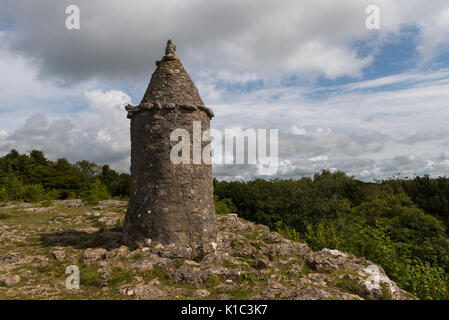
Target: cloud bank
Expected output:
[364,132]
[309,68]
[268,38]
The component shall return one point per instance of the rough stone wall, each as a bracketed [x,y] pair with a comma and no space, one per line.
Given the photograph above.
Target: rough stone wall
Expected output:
[170,203]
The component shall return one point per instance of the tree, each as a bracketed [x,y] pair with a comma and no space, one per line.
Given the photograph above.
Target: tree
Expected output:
[97,191]
[38,157]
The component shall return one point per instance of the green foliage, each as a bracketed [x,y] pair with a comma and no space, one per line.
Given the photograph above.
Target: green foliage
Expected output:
[33,193]
[118,185]
[3,194]
[224,206]
[119,275]
[13,188]
[288,232]
[213,281]
[318,237]
[350,285]
[431,195]
[97,191]
[46,203]
[155,273]
[89,276]
[390,222]
[426,281]
[296,203]
[33,178]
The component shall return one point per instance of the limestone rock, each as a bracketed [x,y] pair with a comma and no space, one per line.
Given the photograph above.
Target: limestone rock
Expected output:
[201,293]
[75,203]
[92,255]
[261,264]
[148,292]
[272,268]
[9,279]
[173,251]
[9,258]
[39,210]
[190,275]
[59,254]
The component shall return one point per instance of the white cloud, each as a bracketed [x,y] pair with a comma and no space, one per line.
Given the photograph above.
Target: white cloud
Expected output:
[332,61]
[102,136]
[23,92]
[440,164]
[318,158]
[260,38]
[364,132]
[367,133]
[367,128]
[434,35]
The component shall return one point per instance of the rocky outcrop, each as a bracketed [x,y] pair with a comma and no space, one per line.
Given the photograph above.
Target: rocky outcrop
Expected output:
[260,264]
[247,261]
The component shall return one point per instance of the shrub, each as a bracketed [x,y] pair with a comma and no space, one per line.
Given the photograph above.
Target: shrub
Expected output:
[33,193]
[52,195]
[426,281]
[120,275]
[89,276]
[97,191]
[13,188]
[46,203]
[288,232]
[224,206]
[3,194]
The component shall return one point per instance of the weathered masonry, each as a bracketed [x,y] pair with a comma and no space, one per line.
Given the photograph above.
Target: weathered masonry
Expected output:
[170,203]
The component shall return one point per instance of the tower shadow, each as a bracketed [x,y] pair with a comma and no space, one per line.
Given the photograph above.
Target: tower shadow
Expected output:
[108,238]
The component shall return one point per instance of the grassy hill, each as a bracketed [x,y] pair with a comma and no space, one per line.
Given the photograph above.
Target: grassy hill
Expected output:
[38,243]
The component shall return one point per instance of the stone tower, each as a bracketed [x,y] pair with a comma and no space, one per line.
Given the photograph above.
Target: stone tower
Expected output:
[170,203]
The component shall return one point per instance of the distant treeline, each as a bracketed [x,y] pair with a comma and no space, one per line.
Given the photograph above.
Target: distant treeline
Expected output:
[400,224]
[32,177]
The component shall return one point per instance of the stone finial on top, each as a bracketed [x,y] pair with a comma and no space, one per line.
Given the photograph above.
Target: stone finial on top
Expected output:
[170,48]
[170,51]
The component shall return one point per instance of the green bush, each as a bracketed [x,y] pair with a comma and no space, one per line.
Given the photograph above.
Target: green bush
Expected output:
[89,276]
[368,232]
[120,275]
[13,188]
[425,281]
[52,195]
[376,221]
[97,191]
[318,237]
[3,194]
[224,206]
[46,203]
[33,193]
[288,232]
[60,178]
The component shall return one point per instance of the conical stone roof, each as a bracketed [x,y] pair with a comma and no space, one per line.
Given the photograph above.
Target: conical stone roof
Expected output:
[170,83]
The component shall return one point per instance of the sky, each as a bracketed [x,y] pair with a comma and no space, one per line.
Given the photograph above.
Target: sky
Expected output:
[370,102]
